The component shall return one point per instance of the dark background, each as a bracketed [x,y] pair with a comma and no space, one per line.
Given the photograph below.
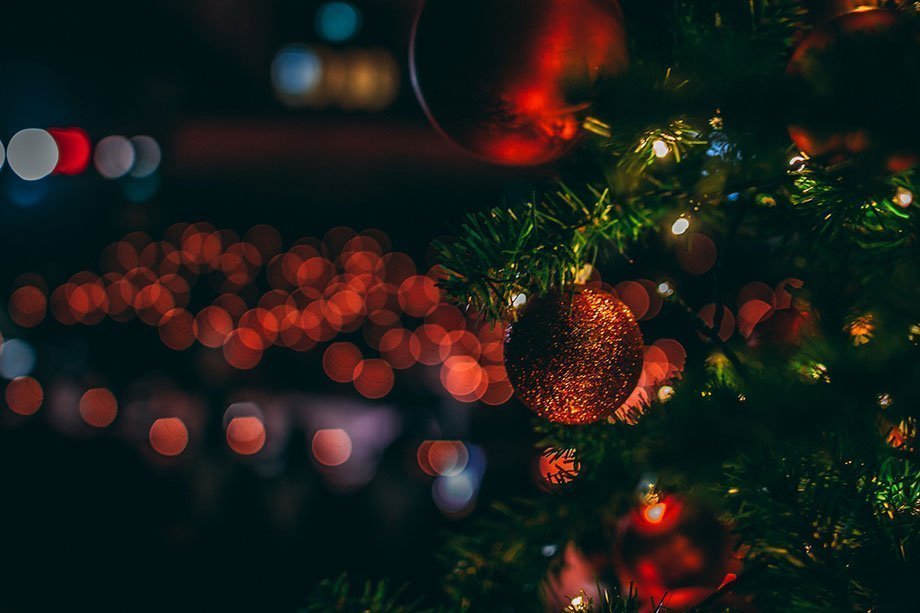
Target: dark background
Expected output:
[92,520]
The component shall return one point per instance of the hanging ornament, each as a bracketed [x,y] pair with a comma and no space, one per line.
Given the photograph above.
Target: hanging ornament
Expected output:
[856,79]
[510,81]
[674,552]
[574,357]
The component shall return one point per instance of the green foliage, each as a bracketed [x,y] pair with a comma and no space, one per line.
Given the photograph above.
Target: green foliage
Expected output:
[532,248]
[341,595]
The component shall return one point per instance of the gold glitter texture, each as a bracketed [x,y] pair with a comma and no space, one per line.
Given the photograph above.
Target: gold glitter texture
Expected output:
[574,357]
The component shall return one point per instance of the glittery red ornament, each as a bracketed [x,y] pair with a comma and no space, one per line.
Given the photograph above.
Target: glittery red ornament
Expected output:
[676,552]
[510,80]
[574,357]
[855,82]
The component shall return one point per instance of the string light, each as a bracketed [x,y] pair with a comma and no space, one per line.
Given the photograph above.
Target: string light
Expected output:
[797,163]
[660,149]
[665,393]
[680,225]
[884,400]
[903,197]
[665,290]
[913,334]
[861,329]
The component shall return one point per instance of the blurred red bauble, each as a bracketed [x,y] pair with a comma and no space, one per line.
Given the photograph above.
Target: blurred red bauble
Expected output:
[675,552]
[854,79]
[510,81]
[574,357]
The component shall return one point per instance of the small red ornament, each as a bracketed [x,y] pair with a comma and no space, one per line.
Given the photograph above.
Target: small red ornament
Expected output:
[510,80]
[674,552]
[855,80]
[574,357]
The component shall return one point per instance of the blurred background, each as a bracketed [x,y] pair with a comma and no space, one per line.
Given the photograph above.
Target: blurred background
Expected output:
[182,180]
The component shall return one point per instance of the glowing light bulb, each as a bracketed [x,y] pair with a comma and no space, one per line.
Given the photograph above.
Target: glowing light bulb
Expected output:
[680,225]
[519,300]
[665,393]
[665,289]
[655,513]
[578,601]
[903,197]
[660,149]
[797,162]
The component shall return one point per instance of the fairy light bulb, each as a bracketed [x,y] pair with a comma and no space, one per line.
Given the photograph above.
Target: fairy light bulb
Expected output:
[680,225]
[797,162]
[660,149]
[903,197]
[665,393]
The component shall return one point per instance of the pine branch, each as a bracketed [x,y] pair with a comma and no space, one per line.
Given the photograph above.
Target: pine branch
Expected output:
[533,248]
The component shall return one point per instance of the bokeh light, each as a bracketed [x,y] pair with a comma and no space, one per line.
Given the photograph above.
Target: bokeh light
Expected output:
[445,458]
[32,154]
[98,407]
[340,361]
[246,435]
[28,306]
[168,436]
[373,378]
[331,447]
[74,150]
[338,21]
[17,359]
[24,395]
[114,157]
[456,494]
[147,156]
[726,325]
[697,254]
[297,72]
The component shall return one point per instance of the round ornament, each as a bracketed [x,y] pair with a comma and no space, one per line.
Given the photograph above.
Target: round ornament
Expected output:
[855,79]
[574,357]
[674,552]
[510,81]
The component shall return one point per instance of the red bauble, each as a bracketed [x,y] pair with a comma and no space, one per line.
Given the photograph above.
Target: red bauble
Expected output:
[510,80]
[854,79]
[574,357]
[674,551]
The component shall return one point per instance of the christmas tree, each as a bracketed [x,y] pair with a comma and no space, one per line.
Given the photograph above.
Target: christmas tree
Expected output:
[735,181]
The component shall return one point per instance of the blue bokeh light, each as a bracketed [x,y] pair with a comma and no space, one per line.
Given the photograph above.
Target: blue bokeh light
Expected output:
[296,70]
[338,21]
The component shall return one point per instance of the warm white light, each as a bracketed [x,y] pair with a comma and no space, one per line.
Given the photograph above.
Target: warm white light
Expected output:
[519,300]
[681,225]
[665,289]
[32,154]
[903,197]
[660,149]
[578,601]
[665,393]
[797,162]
